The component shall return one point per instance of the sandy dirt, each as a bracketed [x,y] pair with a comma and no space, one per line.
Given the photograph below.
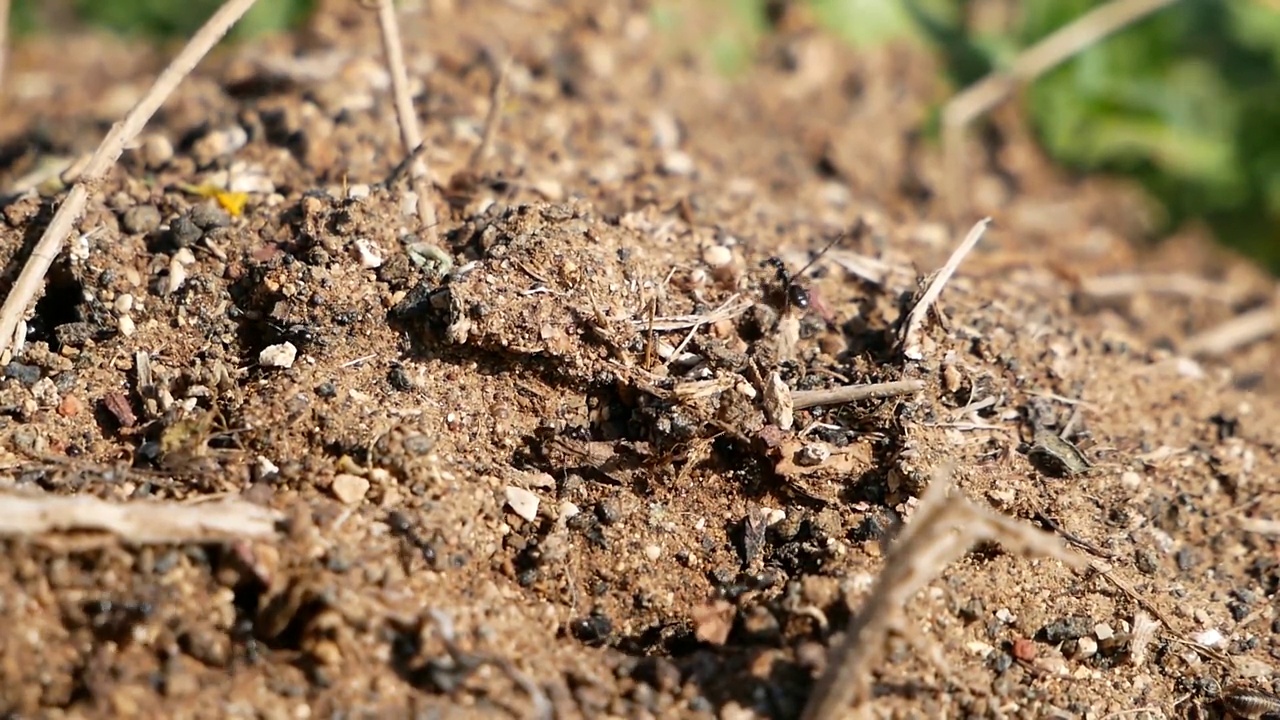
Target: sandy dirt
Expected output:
[536,471]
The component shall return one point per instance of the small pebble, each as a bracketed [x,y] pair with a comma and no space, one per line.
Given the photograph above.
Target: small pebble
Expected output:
[209,216]
[280,356]
[350,489]
[141,219]
[522,502]
[156,150]
[369,254]
[717,256]
[45,391]
[652,552]
[126,326]
[183,231]
[676,163]
[70,406]
[27,375]
[1086,647]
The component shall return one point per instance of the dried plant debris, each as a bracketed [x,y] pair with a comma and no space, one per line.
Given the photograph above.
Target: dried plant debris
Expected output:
[138,522]
[942,529]
[632,416]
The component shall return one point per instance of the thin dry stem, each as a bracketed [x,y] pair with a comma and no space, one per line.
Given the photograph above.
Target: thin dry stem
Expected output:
[915,321]
[1235,333]
[491,118]
[406,116]
[941,531]
[135,522]
[802,399]
[731,308]
[27,286]
[1033,62]
[1176,284]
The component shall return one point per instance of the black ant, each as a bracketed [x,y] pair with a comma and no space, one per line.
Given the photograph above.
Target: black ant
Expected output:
[793,294]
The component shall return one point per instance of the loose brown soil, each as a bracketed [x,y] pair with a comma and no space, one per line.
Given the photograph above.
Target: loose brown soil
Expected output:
[594,332]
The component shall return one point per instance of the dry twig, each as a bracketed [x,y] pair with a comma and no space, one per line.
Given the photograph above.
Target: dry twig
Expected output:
[1033,62]
[730,308]
[941,531]
[911,331]
[491,119]
[135,522]
[27,286]
[801,399]
[1235,333]
[407,117]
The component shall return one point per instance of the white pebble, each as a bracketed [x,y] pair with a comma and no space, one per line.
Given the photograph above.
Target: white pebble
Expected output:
[1086,647]
[123,303]
[350,489]
[717,256]
[369,253]
[177,276]
[45,392]
[1209,638]
[126,326]
[677,163]
[1103,631]
[280,356]
[652,552]
[522,502]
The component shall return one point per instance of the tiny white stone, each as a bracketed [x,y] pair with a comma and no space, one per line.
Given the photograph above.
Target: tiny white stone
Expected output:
[1086,647]
[677,163]
[717,256]
[1103,631]
[652,552]
[177,276]
[350,489]
[126,326]
[1209,638]
[369,253]
[123,303]
[522,502]
[281,356]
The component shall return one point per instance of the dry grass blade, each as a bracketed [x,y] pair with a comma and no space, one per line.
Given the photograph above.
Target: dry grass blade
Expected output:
[941,531]
[802,399]
[492,117]
[911,331]
[730,308]
[1235,333]
[27,286]
[1033,62]
[135,522]
[407,117]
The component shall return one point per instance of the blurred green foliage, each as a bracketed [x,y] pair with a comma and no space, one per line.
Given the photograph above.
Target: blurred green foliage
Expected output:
[1187,101]
[157,19]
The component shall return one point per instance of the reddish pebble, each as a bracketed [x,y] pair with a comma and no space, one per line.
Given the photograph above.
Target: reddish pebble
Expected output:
[1024,650]
[70,406]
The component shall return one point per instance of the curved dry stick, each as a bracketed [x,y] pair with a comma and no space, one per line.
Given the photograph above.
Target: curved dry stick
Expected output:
[410,135]
[27,286]
[1033,62]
